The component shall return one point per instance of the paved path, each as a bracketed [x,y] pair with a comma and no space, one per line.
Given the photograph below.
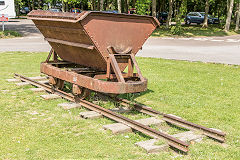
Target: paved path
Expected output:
[31,44]
[210,49]
[31,41]
[213,49]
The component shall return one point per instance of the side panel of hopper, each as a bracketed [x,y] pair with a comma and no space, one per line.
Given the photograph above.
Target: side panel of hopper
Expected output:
[119,31]
[66,37]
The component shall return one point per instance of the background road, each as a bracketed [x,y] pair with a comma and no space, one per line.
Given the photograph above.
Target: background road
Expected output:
[214,49]
[209,49]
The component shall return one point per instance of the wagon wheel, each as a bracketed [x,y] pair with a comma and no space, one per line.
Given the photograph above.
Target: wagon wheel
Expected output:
[80,92]
[60,84]
[56,82]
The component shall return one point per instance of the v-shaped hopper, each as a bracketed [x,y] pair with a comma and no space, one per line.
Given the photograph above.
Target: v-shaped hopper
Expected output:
[85,38]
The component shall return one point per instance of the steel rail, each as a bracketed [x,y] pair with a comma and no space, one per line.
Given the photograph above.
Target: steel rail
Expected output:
[215,134]
[172,141]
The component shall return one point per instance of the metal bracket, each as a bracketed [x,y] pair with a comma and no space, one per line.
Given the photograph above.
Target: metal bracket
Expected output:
[55,56]
[112,63]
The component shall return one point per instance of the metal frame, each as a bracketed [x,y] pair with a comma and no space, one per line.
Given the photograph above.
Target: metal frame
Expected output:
[53,68]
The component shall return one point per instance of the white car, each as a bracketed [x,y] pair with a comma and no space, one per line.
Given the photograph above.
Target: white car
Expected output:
[7,7]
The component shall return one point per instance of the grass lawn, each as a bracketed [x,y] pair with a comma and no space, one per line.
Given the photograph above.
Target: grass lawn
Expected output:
[9,34]
[194,31]
[32,128]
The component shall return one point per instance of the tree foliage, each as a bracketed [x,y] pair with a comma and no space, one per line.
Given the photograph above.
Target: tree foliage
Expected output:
[143,7]
[180,8]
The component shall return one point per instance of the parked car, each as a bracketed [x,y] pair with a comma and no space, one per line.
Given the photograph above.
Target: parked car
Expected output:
[111,11]
[75,10]
[198,17]
[162,17]
[132,11]
[24,10]
[54,10]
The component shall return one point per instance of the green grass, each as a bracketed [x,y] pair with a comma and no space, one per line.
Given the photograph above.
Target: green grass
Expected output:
[9,34]
[207,94]
[195,31]
[20,17]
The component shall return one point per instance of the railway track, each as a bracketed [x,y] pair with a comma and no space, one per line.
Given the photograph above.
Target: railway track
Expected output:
[172,141]
[212,133]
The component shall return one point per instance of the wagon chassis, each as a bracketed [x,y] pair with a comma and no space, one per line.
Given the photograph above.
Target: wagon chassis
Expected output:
[111,81]
[172,141]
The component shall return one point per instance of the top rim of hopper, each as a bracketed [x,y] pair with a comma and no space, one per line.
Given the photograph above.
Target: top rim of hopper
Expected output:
[76,17]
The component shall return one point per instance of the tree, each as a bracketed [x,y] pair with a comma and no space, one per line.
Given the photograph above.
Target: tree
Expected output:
[33,4]
[18,4]
[66,7]
[39,4]
[29,4]
[205,22]
[161,5]
[101,5]
[133,3]
[238,16]
[93,5]
[229,16]
[170,12]
[119,3]
[154,8]
[63,6]
[228,4]
[143,7]
[126,6]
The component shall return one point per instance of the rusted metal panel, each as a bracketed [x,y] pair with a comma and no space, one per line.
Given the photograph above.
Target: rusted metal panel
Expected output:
[94,84]
[97,29]
[119,31]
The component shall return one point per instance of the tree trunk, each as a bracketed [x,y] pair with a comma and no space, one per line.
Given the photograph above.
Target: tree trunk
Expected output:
[228,4]
[39,4]
[29,4]
[169,19]
[154,4]
[94,4]
[161,5]
[119,6]
[175,13]
[238,16]
[17,8]
[98,5]
[107,5]
[205,22]
[133,3]
[101,5]
[229,16]
[67,7]
[126,6]
[33,4]
[63,6]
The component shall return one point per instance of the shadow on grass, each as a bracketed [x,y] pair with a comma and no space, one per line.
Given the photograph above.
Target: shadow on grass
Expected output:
[133,96]
[177,127]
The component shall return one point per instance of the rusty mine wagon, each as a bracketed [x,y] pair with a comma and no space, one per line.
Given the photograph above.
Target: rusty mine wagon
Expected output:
[94,51]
